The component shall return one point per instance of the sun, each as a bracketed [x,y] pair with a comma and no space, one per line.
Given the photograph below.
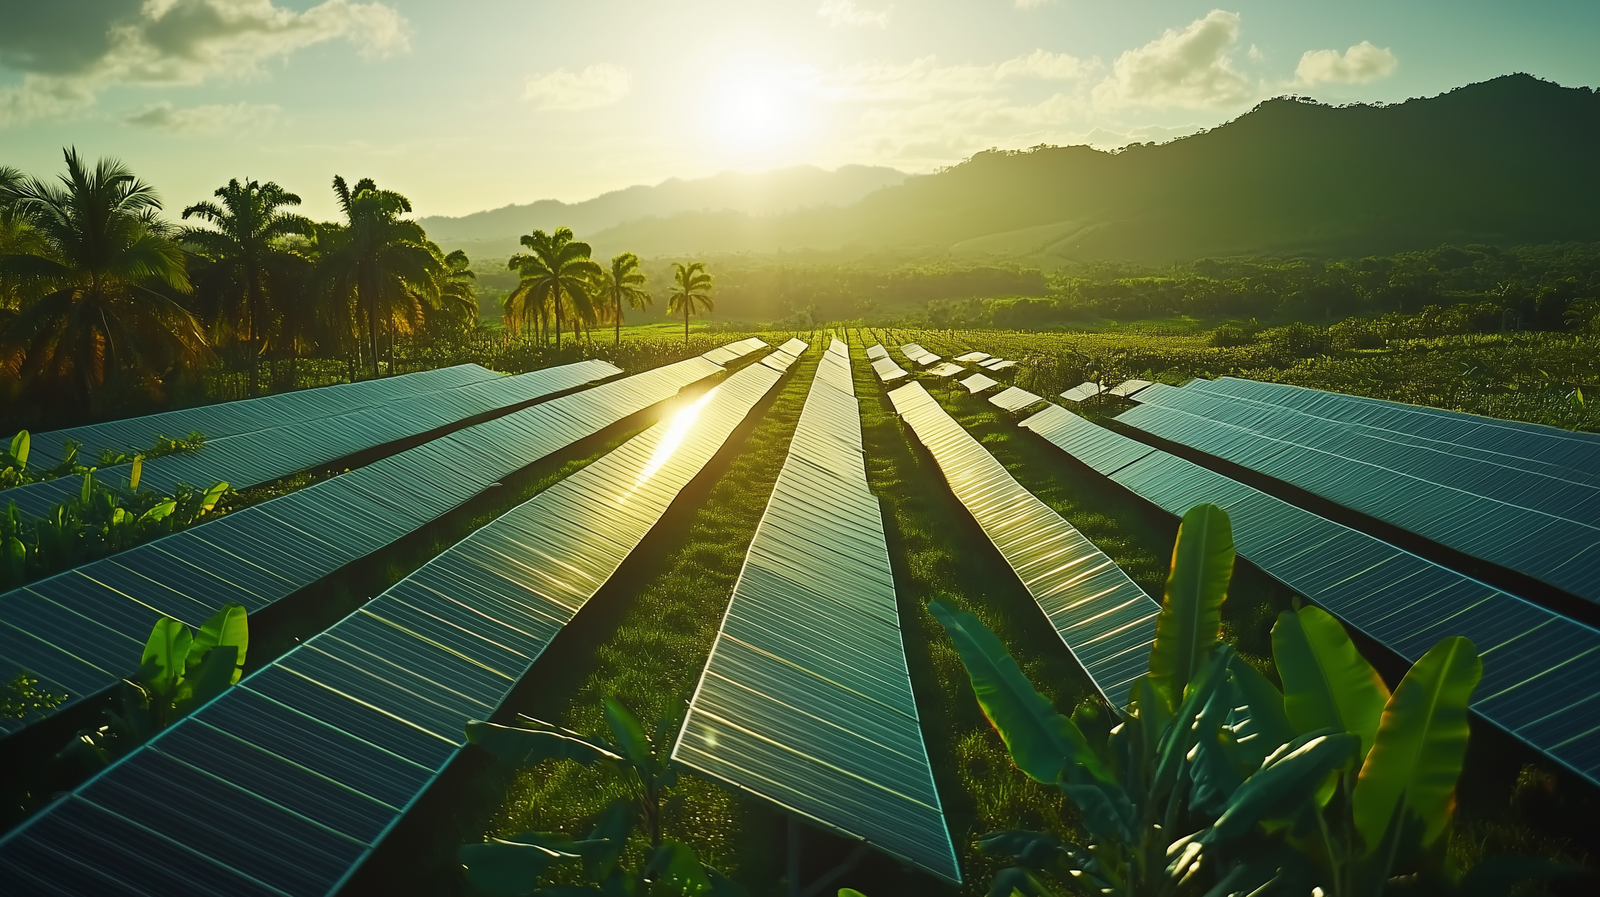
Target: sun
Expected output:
[756,108]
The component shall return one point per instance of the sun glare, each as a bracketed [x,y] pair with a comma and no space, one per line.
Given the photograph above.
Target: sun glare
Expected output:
[756,108]
[670,440]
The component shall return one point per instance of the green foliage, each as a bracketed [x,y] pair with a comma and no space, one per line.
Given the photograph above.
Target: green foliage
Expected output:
[691,292]
[1191,611]
[513,866]
[22,696]
[1327,684]
[179,671]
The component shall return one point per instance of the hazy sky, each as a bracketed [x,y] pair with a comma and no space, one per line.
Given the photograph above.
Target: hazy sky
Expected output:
[473,104]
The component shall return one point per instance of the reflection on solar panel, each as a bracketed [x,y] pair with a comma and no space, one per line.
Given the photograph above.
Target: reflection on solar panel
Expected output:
[1014,398]
[887,370]
[80,631]
[876,352]
[305,765]
[1541,671]
[1082,392]
[257,457]
[946,370]
[806,700]
[1155,392]
[735,351]
[978,383]
[972,356]
[1565,454]
[1127,388]
[247,415]
[1102,616]
[1530,521]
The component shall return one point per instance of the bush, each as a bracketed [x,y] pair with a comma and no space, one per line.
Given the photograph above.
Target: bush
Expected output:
[1299,340]
[1228,336]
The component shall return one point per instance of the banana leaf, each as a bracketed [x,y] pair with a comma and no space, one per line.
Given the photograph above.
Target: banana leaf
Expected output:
[519,746]
[1190,622]
[1285,785]
[227,627]
[166,655]
[1327,684]
[508,868]
[1421,742]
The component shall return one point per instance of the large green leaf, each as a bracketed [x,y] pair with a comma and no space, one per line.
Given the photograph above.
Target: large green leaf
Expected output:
[1042,742]
[1259,723]
[1421,742]
[1327,684]
[505,867]
[630,736]
[211,677]
[1191,612]
[1285,785]
[228,627]
[166,654]
[519,746]
[20,444]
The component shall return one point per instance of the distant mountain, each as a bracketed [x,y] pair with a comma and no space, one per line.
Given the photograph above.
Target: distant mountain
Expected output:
[1507,161]
[770,193]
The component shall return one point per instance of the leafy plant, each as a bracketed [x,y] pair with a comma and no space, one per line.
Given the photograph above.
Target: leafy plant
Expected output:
[1212,781]
[179,671]
[512,866]
[22,696]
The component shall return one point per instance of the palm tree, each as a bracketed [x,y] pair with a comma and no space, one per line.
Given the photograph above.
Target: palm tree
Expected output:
[452,305]
[624,282]
[691,292]
[248,249]
[107,268]
[380,260]
[558,273]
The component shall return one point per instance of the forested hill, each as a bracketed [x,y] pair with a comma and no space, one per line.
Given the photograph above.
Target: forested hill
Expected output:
[1508,161]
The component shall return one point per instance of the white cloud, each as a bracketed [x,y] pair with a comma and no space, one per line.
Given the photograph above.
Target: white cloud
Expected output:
[212,119]
[597,85]
[844,12]
[175,42]
[1358,65]
[1188,68]
[926,78]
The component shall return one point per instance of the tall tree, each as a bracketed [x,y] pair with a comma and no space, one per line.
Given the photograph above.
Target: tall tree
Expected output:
[624,282]
[691,292]
[452,306]
[557,273]
[380,260]
[108,270]
[249,251]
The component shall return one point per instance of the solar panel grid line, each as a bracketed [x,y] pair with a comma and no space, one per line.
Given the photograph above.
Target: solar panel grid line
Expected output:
[231,418]
[300,538]
[1462,503]
[419,659]
[1014,398]
[1403,601]
[806,699]
[1112,619]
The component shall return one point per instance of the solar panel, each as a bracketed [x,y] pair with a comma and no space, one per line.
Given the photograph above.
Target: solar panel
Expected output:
[1541,671]
[1000,365]
[978,383]
[1101,615]
[990,363]
[247,415]
[266,552]
[1155,393]
[1531,521]
[1567,454]
[794,346]
[1014,398]
[307,764]
[735,350]
[946,370]
[887,370]
[260,456]
[876,352]
[806,700]
[1127,388]
[1082,392]
[972,356]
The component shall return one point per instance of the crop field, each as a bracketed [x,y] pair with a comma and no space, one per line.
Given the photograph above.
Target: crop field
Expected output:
[639,633]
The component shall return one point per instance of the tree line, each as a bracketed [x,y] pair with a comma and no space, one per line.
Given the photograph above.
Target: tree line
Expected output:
[102,297]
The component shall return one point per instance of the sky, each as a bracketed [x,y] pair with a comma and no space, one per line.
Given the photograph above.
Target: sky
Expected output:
[474,104]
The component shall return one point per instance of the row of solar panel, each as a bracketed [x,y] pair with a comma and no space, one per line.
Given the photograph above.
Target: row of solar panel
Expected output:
[260,456]
[80,631]
[247,415]
[1541,671]
[1102,616]
[806,699]
[918,354]
[785,355]
[884,366]
[735,351]
[307,764]
[1504,511]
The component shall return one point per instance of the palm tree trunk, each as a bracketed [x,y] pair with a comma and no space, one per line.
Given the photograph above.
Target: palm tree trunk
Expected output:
[255,337]
[686,326]
[557,299]
[619,320]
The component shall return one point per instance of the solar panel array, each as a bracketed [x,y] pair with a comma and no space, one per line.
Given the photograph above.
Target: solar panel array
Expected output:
[887,370]
[247,415]
[735,351]
[972,356]
[1154,392]
[1127,388]
[918,354]
[806,700]
[876,352]
[1537,522]
[260,456]
[1014,398]
[298,772]
[997,364]
[785,355]
[946,369]
[1541,671]
[1102,616]
[978,383]
[80,631]
[1082,392]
